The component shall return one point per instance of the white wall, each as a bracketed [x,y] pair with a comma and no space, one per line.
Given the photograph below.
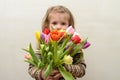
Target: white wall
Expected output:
[97,19]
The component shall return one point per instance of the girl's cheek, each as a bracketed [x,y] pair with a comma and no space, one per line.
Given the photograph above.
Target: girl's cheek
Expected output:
[65,27]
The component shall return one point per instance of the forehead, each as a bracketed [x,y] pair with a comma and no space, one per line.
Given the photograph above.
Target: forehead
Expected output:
[59,17]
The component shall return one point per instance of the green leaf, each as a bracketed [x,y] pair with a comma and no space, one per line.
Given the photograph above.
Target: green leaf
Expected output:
[78,47]
[51,28]
[30,61]
[33,55]
[34,61]
[65,42]
[67,51]
[49,56]
[25,50]
[60,62]
[65,74]
[49,69]
[39,65]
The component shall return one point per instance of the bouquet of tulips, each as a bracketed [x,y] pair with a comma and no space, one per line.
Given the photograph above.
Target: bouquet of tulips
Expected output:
[56,48]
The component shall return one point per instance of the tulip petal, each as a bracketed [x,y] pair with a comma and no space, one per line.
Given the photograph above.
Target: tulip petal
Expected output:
[70,30]
[76,39]
[37,34]
[42,36]
[87,44]
[68,59]
[47,38]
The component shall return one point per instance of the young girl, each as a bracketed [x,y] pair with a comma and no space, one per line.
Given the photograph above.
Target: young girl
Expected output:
[61,18]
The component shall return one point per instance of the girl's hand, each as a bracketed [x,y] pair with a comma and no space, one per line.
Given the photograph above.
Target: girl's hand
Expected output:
[55,75]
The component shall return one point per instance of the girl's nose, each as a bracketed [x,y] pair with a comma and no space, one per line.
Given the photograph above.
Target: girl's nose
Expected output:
[58,27]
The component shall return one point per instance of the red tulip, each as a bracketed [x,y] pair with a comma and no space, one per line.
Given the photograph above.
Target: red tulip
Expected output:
[76,39]
[46,31]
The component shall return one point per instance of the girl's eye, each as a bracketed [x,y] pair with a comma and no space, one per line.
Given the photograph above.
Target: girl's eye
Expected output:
[54,23]
[63,23]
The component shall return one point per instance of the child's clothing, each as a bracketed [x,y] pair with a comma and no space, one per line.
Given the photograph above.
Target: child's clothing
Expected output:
[77,70]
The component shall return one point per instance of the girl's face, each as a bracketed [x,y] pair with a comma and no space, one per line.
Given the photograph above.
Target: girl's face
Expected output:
[59,21]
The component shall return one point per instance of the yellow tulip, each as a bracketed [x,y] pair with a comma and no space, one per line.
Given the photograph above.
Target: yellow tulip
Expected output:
[63,32]
[37,34]
[68,59]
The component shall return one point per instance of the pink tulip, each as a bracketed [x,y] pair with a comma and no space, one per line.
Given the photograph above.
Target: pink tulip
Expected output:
[45,37]
[27,56]
[70,30]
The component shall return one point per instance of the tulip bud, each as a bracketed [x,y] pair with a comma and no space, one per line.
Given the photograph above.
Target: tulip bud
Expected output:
[76,39]
[86,45]
[42,46]
[46,31]
[47,48]
[68,59]
[37,34]
[28,48]
[50,54]
[27,56]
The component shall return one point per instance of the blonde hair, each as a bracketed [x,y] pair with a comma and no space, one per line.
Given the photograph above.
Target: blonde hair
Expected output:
[57,9]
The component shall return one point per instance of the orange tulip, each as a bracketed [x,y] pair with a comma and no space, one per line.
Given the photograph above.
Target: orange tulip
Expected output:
[55,35]
[62,32]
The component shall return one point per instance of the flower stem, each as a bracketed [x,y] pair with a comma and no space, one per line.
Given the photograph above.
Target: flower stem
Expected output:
[55,52]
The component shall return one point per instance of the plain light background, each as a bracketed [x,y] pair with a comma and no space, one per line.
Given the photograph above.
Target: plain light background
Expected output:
[99,20]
